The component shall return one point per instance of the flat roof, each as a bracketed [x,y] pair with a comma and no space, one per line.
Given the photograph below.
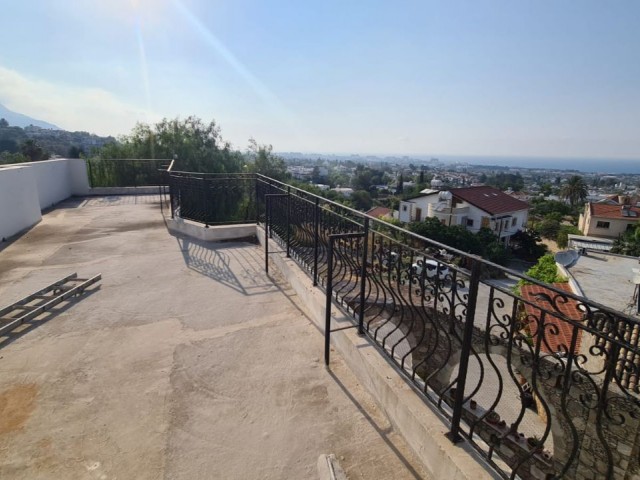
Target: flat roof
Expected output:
[607,279]
[188,362]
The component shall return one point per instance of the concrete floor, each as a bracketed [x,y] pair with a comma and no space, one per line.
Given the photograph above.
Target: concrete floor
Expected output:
[188,362]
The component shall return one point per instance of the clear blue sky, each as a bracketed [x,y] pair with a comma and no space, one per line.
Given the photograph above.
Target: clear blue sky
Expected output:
[534,78]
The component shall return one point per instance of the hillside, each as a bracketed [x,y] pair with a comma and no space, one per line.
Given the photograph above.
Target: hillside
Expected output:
[16,119]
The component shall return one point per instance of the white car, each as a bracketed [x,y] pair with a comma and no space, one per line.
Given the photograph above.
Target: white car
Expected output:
[432,268]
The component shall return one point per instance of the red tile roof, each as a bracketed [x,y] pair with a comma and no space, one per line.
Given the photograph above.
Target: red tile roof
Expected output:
[489,199]
[604,210]
[559,338]
[378,212]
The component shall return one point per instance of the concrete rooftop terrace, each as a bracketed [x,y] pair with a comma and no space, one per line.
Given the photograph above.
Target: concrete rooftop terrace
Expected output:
[188,362]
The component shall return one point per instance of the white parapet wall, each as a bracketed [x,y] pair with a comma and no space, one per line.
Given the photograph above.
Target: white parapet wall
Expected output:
[28,188]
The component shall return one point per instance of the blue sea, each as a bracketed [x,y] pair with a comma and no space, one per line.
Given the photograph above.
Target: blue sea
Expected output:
[587,165]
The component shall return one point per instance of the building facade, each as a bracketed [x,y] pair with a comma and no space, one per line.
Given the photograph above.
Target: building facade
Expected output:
[607,220]
[472,207]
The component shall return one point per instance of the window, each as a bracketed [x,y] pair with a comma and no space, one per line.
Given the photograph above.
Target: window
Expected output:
[469,222]
[630,226]
[602,224]
[404,208]
[514,221]
[485,222]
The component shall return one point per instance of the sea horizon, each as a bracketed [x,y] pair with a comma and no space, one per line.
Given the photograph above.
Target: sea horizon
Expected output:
[586,165]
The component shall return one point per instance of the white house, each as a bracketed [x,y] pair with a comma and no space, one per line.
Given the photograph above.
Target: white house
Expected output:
[471,207]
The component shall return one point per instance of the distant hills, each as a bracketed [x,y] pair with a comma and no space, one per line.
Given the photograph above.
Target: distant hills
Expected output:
[16,119]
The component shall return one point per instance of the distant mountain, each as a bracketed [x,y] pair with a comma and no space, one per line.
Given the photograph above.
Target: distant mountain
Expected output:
[19,120]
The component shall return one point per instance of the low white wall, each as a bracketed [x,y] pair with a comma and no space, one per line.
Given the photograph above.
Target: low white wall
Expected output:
[19,206]
[42,184]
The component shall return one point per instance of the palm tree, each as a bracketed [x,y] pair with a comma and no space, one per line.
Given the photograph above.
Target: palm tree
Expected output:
[575,190]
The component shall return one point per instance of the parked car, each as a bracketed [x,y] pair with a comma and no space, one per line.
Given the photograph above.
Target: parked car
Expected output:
[431,268]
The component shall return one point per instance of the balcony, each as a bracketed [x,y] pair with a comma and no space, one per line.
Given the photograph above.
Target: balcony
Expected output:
[537,391]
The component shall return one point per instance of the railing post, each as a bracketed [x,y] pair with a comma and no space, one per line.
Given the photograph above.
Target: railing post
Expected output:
[204,202]
[90,173]
[474,283]
[316,235]
[257,202]
[363,276]
[266,233]
[288,221]
[171,198]
[327,318]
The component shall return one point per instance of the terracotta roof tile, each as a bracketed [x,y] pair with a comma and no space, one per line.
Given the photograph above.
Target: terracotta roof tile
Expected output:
[605,210]
[554,342]
[489,199]
[378,212]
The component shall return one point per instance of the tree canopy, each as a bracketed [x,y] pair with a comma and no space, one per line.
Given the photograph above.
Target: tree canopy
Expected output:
[575,190]
[198,146]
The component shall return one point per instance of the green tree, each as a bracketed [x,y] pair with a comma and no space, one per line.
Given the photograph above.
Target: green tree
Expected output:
[75,152]
[361,200]
[526,245]
[9,157]
[33,151]
[548,228]
[562,238]
[628,244]
[197,145]
[575,191]
[545,271]
[263,161]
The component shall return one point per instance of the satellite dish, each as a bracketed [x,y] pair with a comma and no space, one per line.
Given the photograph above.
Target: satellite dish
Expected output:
[566,258]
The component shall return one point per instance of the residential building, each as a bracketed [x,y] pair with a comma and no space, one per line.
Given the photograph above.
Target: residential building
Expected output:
[608,220]
[471,207]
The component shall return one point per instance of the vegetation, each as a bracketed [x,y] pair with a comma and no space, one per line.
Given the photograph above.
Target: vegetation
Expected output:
[526,245]
[504,181]
[198,146]
[545,271]
[575,191]
[628,244]
[484,243]
[262,160]
[562,238]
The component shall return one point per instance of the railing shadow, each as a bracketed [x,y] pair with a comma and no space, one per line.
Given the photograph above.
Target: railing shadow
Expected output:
[221,261]
[383,432]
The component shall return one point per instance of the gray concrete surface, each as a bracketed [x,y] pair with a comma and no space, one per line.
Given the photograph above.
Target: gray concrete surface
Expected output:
[607,279]
[187,363]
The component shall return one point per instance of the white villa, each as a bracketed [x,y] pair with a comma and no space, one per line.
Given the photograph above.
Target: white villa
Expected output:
[472,207]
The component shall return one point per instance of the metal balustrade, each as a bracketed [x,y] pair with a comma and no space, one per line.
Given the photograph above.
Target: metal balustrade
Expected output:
[541,382]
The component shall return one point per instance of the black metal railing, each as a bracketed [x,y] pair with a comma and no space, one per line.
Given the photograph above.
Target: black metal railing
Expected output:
[213,198]
[543,383]
[127,172]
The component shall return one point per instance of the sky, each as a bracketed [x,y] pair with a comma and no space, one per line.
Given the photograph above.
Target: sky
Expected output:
[479,77]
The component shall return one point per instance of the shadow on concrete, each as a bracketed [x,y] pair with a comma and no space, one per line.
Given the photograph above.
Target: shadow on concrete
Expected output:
[21,330]
[383,432]
[219,261]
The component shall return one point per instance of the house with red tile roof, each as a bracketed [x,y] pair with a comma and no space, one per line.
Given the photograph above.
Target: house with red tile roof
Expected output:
[471,207]
[608,220]
[380,212]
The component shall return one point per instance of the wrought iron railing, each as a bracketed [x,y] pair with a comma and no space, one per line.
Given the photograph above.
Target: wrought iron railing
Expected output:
[127,172]
[213,198]
[543,383]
